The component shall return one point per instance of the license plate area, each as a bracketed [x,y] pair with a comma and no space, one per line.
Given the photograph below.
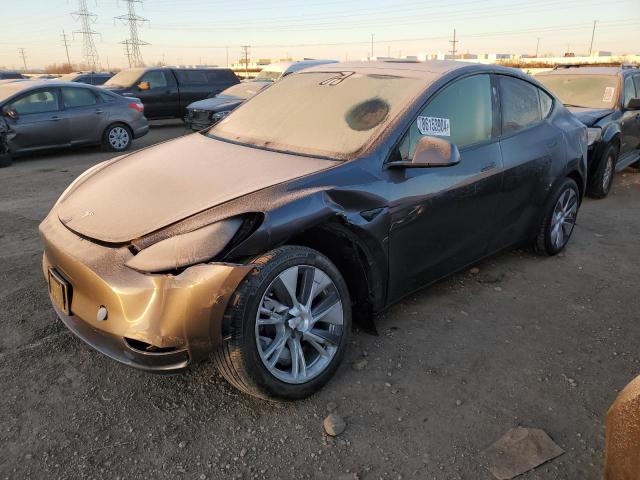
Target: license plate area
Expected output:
[59,291]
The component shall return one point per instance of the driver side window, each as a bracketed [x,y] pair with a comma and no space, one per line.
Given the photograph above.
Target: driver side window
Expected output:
[155,78]
[461,113]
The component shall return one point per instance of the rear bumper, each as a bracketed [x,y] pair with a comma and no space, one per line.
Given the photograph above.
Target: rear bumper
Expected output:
[155,322]
[141,131]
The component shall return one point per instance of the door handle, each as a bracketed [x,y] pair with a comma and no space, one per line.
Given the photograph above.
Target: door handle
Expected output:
[55,119]
[489,166]
[99,111]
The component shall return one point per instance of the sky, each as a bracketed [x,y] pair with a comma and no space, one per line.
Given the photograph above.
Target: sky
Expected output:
[203,32]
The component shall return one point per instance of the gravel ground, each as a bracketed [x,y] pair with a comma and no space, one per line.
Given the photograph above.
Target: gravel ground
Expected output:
[536,342]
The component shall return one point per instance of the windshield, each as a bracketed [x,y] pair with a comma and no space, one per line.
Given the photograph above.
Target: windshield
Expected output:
[588,91]
[125,78]
[271,75]
[242,90]
[328,114]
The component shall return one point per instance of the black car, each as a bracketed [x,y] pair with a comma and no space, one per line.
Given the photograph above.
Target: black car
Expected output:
[11,75]
[166,91]
[204,113]
[607,100]
[90,78]
[335,192]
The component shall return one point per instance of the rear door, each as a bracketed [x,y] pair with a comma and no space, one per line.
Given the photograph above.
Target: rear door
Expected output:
[84,113]
[531,145]
[443,218]
[162,99]
[40,123]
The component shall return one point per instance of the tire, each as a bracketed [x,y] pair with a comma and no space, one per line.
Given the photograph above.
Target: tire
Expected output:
[243,360]
[117,138]
[559,219]
[602,179]
[5,160]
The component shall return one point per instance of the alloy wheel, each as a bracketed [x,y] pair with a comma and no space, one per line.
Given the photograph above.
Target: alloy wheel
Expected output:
[608,173]
[564,218]
[299,324]
[118,137]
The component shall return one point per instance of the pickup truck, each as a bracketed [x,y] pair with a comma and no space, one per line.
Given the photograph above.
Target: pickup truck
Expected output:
[165,92]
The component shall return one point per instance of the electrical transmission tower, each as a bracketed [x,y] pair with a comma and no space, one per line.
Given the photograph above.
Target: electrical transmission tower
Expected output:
[23,55]
[453,43]
[132,44]
[86,18]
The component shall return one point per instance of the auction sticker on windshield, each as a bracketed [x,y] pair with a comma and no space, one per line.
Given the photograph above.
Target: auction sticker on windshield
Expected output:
[434,126]
[608,94]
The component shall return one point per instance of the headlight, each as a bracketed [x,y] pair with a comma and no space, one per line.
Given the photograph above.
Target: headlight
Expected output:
[593,135]
[220,115]
[186,249]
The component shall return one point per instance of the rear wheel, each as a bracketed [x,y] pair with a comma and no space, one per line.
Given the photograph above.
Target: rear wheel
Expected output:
[602,179]
[287,325]
[117,138]
[560,219]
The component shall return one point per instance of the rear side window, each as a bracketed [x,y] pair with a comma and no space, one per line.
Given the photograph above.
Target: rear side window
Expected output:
[83,79]
[99,79]
[78,97]
[462,114]
[520,104]
[221,76]
[193,77]
[105,97]
[42,101]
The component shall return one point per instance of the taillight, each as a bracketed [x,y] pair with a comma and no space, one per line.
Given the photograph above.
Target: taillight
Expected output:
[137,106]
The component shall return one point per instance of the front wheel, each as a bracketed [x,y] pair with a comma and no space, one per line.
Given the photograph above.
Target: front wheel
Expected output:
[559,220]
[5,160]
[287,325]
[602,178]
[117,138]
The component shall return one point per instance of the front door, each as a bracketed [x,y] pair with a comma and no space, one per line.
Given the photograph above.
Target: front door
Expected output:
[442,218]
[630,122]
[162,98]
[40,123]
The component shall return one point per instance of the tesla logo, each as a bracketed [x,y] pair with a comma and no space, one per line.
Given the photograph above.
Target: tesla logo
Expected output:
[87,213]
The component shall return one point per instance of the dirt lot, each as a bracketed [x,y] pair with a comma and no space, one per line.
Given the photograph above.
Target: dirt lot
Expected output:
[527,341]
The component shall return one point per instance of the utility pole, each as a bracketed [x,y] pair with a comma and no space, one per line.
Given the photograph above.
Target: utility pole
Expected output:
[245,51]
[593,32]
[23,54]
[371,57]
[227,50]
[537,47]
[86,18]
[66,46]
[133,43]
[453,43]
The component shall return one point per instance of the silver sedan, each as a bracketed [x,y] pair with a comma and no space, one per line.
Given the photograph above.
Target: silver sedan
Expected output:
[42,114]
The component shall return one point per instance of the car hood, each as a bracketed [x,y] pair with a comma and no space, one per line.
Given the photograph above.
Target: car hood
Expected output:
[155,187]
[589,116]
[215,104]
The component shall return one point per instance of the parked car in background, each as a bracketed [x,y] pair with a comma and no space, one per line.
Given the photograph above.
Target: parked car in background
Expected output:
[275,71]
[333,193]
[607,100]
[166,91]
[10,75]
[204,113]
[44,114]
[90,78]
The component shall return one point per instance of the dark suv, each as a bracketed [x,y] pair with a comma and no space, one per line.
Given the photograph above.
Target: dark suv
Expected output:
[607,101]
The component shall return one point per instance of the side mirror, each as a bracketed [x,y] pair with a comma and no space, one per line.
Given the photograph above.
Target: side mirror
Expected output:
[10,112]
[431,152]
[144,86]
[633,104]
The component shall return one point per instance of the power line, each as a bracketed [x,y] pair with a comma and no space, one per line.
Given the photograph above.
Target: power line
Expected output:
[66,46]
[86,18]
[23,54]
[245,52]
[133,43]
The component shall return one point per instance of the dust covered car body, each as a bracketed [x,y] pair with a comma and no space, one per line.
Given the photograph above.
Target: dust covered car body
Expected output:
[334,193]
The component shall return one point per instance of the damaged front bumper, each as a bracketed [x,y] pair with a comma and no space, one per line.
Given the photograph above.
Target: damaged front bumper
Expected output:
[154,322]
